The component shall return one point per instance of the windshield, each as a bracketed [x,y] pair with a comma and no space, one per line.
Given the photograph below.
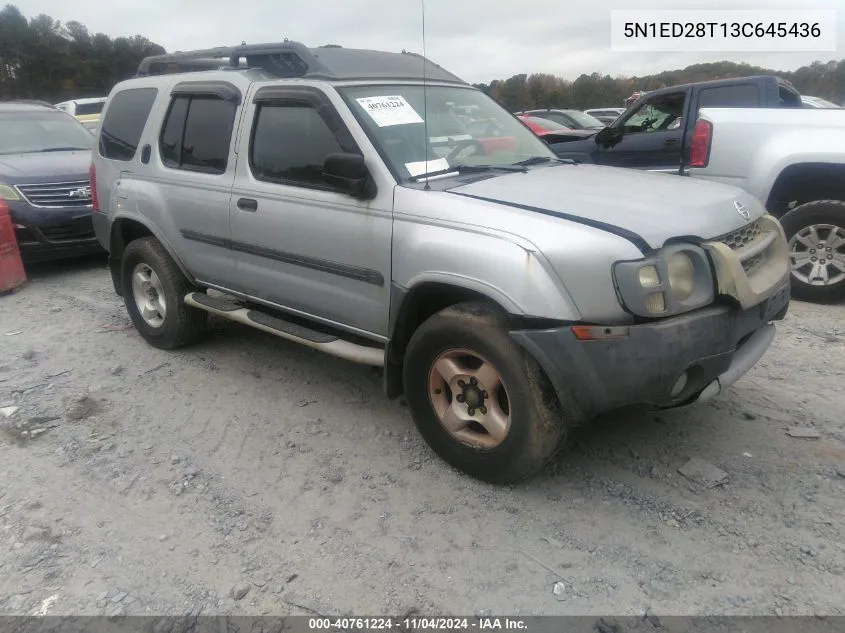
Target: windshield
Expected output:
[583,120]
[30,132]
[465,127]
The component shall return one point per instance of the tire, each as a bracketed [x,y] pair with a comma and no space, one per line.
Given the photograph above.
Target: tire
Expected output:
[829,218]
[181,324]
[535,428]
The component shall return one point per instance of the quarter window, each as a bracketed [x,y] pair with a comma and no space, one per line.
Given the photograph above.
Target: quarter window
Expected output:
[197,133]
[124,123]
[290,142]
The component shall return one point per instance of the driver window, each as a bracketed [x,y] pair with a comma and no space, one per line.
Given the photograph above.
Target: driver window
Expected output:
[658,114]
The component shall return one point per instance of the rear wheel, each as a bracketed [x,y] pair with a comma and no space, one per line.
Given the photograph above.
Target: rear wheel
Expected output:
[816,234]
[478,399]
[154,292]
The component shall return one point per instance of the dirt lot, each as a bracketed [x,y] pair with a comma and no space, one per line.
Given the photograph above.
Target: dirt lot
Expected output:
[248,475]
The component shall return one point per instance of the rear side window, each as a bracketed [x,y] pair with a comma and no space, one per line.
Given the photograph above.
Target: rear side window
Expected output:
[124,123]
[197,133]
[789,98]
[290,142]
[89,108]
[737,96]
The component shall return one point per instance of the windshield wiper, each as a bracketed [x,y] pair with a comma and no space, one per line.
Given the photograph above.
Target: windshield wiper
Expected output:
[538,160]
[468,169]
[64,149]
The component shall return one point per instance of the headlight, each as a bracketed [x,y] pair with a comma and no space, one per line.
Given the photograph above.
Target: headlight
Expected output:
[8,193]
[676,279]
[681,275]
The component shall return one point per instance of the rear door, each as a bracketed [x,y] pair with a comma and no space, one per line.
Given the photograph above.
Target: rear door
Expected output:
[651,135]
[191,162]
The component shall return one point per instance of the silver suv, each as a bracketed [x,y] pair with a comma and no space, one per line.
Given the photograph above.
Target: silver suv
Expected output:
[337,198]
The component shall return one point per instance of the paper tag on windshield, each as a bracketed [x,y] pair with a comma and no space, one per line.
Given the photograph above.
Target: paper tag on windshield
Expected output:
[386,111]
[426,167]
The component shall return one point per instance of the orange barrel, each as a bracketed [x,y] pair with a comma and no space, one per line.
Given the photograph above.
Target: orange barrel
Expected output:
[12,273]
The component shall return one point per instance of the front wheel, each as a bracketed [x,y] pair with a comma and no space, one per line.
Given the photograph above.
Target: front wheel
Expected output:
[477,398]
[816,234]
[154,292]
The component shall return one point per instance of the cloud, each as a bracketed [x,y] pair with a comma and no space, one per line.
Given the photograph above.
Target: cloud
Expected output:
[479,40]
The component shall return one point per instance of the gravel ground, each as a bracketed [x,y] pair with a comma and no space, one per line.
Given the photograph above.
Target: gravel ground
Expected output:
[249,476]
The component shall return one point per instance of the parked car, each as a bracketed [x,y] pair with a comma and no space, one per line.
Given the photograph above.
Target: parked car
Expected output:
[510,295]
[90,121]
[794,162]
[605,115]
[44,159]
[82,107]
[553,132]
[654,133]
[86,111]
[572,119]
[817,102]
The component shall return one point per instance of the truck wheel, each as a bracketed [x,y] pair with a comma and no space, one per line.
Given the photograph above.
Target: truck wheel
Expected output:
[478,399]
[816,234]
[154,290]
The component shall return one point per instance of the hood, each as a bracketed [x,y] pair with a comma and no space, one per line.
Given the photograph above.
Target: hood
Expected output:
[646,208]
[38,167]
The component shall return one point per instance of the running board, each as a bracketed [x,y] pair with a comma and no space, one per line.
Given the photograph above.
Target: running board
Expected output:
[328,343]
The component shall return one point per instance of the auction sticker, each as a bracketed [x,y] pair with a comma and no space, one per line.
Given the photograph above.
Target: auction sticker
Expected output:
[386,111]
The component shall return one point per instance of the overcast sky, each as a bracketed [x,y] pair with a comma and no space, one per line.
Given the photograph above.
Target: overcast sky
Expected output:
[478,40]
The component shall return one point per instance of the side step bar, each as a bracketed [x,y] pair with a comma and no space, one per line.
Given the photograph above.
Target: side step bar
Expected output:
[328,343]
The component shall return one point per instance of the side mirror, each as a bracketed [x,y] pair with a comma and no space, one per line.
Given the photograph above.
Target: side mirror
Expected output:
[608,136]
[348,173]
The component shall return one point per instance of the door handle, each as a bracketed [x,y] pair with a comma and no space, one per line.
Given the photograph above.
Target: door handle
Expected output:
[670,142]
[247,204]
[145,154]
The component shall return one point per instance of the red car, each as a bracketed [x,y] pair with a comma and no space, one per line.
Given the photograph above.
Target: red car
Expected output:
[541,127]
[552,131]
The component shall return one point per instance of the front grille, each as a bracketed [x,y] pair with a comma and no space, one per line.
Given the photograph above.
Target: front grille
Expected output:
[75,194]
[79,229]
[741,237]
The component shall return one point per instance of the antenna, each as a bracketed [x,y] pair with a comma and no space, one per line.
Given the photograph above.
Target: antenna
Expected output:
[425,96]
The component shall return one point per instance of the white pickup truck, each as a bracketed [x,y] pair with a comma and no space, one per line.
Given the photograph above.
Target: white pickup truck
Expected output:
[793,161]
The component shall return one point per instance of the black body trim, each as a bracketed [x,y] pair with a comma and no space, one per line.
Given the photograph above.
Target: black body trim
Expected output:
[218,303]
[205,238]
[632,237]
[299,331]
[342,270]
[225,91]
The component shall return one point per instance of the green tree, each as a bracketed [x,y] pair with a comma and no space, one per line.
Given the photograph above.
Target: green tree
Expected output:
[41,58]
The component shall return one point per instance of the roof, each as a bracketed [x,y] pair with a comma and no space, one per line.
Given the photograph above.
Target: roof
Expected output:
[25,106]
[295,60]
[718,82]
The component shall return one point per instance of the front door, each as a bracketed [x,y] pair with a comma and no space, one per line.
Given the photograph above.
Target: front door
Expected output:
[652,136]
[299,243]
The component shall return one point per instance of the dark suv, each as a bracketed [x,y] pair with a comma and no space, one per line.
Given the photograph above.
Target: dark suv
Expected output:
[45,156]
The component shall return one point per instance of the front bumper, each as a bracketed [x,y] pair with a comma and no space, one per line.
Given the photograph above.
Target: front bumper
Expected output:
[714,346]
[53,234]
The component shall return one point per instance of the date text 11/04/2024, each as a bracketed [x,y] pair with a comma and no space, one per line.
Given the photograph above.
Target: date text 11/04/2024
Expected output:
[779,30]
[410,624]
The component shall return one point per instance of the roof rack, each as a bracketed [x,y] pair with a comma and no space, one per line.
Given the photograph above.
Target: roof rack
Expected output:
[289,60]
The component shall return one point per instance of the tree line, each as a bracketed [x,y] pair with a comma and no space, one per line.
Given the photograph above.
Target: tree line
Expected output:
[539,90]
[41,58]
